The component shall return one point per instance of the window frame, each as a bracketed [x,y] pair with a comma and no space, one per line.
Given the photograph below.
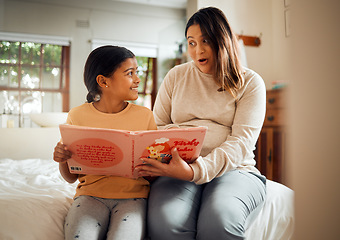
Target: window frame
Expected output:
[64,81]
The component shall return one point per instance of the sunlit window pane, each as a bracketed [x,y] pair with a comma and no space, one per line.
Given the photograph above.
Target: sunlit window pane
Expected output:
[13,73]
[31,102]
[52,54]
[4,73]
[9,101]
[30,77]
[146,87]
[31,53]
[9,52]
[143,100]
[4,51]
[14,52]
[51,78]
[51,102]
[149,85]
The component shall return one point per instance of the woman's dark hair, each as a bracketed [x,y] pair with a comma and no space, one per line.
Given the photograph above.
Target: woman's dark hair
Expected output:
[215,26]
[102,61]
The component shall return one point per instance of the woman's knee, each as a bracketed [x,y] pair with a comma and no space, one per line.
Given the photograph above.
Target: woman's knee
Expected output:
[229,200]
[221,222]
[169,222]
[172,210]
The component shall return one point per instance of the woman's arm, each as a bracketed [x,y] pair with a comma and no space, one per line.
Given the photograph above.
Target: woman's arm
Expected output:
[162,107]
[237,150]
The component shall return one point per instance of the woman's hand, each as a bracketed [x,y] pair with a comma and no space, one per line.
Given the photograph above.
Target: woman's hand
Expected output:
[61,154]
[176,168]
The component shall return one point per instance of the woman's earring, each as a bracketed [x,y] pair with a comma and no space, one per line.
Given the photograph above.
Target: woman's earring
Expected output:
[106,86]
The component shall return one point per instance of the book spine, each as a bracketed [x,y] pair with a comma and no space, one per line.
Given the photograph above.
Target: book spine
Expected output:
[133,156]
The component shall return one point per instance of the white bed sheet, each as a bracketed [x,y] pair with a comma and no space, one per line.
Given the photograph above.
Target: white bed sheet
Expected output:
[34,200]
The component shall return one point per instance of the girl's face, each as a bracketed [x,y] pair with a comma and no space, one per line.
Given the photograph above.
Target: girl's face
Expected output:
[123,84]
[200,50]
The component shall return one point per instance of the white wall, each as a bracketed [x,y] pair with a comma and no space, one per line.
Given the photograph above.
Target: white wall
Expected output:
[264,18]
[314,115]
[106,20]
[118,21]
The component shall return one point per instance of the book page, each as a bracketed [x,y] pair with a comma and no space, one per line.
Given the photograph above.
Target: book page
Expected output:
[102,151]
[158,144]
[98,151]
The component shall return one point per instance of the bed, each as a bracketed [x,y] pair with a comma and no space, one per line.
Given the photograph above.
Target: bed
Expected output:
[34,200]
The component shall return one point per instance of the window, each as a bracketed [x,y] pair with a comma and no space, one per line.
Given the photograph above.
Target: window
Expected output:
[148,85]
[34,78]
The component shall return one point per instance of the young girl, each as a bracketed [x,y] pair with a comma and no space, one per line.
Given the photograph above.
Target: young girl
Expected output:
[107,207]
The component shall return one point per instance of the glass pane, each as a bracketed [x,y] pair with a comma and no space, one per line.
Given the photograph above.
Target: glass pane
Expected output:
[52,55]
[4,72]
[143,100]
[141,75]
[14,52]
[31,53]
[13,102]
[9,52]
[4,52]
[9,102]
[9,107]
[8,76]
[4,102]
[142,68]
[30,77]
[51,78]
[31,102]
[51,102]
[142,62]
[149,85]
[13,73]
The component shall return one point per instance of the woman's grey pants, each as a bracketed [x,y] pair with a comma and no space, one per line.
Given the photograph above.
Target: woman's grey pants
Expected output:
[220,209]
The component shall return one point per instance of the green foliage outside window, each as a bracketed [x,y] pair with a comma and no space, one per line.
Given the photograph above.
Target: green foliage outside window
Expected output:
[145,73]
[31,78]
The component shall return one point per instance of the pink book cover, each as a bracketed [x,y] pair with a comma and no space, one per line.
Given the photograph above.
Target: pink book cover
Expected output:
[103,151]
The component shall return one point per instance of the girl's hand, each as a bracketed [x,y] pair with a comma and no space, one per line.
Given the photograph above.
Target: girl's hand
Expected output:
[61,154]
[176,168]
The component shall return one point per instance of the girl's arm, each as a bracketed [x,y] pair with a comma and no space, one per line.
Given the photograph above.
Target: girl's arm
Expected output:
[61,155]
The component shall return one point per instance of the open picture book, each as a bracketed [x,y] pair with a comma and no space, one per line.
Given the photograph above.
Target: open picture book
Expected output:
[101,151]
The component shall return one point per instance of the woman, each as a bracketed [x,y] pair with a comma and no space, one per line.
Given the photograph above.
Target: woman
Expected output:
[221,193]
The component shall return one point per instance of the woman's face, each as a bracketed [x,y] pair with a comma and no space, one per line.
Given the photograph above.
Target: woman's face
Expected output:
[123,84]
[200,50]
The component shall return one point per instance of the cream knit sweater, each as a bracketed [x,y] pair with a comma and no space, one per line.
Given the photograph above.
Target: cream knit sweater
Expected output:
[187,98]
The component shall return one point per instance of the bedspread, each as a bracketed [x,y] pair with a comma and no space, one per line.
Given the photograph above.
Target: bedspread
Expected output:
[34,200]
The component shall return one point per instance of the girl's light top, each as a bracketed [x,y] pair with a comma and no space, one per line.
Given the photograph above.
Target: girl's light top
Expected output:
[132,118]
